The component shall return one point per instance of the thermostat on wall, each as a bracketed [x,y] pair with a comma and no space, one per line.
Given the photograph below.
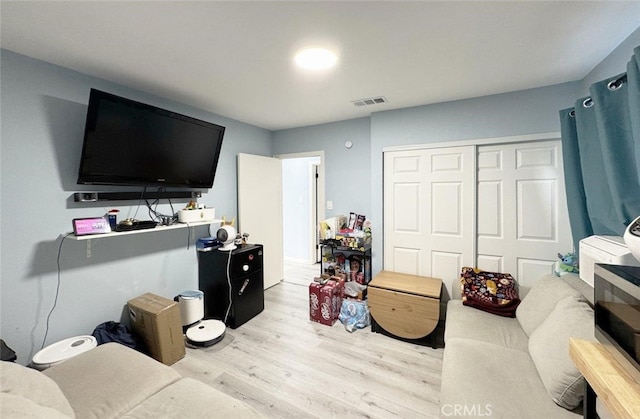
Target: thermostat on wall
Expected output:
[95,225]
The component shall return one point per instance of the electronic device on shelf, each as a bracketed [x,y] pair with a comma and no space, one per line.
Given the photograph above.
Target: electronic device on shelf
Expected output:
[227,236]
[132,143]
[91,225]
[603,249]
[129,224]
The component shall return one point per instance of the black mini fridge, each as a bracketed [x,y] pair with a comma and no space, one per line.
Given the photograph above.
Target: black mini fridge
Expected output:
[242,269]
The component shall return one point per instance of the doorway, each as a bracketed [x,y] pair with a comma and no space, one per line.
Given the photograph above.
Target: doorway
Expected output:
[303,193]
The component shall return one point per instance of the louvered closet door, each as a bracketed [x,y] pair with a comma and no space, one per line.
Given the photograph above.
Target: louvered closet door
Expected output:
[522,214]
[429,211]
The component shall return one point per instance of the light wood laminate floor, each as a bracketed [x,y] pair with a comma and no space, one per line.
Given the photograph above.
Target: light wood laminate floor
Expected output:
[286,366]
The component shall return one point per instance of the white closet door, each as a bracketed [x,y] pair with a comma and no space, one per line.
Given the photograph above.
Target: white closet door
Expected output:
[523,220]
[260,210]
[429,211]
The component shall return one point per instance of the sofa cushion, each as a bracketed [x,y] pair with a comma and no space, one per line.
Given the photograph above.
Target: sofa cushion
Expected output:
[541,300]
[549,350]
[110,380]
[28,393]
[465,322]
[481,379]
[186,399]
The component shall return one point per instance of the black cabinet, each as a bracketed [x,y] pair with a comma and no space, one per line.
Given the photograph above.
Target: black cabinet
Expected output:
[232,282]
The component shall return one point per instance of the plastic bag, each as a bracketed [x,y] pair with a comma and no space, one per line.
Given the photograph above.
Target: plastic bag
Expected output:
[354,315]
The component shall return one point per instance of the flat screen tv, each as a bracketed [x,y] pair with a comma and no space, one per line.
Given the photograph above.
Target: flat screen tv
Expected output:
[132,143]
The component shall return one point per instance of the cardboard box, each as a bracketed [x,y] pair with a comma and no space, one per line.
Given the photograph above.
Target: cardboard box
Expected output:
[325,301]
[157,321]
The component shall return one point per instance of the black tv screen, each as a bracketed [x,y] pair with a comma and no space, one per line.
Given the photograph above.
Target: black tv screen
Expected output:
[132,143]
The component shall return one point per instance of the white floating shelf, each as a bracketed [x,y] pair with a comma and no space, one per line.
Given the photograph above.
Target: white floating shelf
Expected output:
[148,230]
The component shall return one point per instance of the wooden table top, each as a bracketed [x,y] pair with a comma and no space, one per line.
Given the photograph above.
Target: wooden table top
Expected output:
[410,284]
[612,383]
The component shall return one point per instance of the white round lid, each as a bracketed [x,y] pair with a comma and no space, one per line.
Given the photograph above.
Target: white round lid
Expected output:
[65,349]
[206,331]
[192,295]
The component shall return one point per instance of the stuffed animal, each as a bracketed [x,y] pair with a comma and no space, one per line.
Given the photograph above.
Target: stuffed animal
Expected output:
[566,264]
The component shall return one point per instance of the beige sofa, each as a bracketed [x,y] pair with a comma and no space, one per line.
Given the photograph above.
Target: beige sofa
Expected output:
[519,367]
[111,381]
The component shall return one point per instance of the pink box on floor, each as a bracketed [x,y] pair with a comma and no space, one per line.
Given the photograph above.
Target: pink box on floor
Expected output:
[325,301]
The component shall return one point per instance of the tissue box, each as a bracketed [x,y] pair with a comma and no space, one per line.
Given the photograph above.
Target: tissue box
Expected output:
[196,215]
[325,301]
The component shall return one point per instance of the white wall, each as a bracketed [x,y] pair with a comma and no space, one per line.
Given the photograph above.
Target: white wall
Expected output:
[297,204]
[43,112]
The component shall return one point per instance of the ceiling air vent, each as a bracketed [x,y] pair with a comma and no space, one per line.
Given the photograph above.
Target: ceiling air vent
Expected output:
[369,101]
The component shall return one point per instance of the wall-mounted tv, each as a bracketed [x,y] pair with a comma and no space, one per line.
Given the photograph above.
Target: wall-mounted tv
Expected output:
[132,143]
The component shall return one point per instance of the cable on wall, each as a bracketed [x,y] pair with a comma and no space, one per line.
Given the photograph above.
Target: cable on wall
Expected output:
[55,300]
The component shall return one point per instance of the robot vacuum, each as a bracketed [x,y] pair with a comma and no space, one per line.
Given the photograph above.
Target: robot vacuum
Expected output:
[206,333]
[63,350]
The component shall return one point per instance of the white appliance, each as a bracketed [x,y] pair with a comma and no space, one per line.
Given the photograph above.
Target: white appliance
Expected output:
[227,235]
[603,249]
[632,237]
[191,304]
[63,350]
[198,332]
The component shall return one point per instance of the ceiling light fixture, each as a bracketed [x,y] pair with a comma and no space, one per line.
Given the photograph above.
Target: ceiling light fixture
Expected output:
[315,59]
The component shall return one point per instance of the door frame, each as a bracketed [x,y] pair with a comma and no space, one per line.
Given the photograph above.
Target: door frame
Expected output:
[317,210]
[546,136]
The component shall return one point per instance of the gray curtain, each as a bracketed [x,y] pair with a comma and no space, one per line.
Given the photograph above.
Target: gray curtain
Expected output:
[601,151]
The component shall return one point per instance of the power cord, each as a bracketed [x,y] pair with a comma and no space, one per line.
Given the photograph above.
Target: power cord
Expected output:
[188,236]
[55,301]
[228,283]
[157,216]
[144,190]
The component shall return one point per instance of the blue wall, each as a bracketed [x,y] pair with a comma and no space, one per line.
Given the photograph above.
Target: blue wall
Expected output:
[347,171]
[614,64]
[43,113]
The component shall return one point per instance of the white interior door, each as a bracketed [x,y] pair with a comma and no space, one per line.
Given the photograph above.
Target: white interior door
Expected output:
[260,210]
[523,222]
[429,211]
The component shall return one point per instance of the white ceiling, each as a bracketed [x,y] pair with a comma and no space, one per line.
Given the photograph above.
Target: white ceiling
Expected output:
[235,58]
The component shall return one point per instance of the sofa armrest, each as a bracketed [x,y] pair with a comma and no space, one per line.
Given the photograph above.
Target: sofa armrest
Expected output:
[110,380]
[25,392]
